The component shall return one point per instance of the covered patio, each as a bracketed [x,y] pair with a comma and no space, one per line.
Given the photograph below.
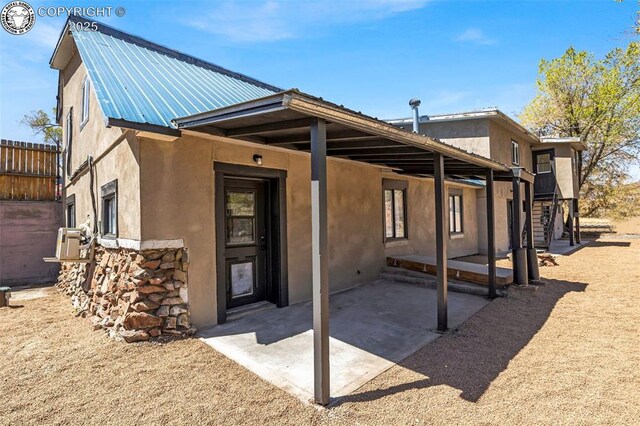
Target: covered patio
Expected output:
[300,122]
[373,327]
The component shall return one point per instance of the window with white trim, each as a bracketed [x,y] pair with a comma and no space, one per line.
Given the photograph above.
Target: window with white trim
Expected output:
[515,153]
[86,85]
[455,213]
[395,209]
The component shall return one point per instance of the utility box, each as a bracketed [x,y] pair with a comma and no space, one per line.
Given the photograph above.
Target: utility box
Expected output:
[68,245]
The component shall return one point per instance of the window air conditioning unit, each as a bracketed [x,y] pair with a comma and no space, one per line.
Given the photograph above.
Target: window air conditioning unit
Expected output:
[68,245]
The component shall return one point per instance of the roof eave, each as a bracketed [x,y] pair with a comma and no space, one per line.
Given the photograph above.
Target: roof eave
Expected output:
[306,104]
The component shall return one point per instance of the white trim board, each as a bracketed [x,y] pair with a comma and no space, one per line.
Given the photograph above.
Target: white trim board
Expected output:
[141,245]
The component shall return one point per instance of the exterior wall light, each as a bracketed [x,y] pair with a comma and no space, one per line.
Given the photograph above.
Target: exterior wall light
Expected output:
[257,159]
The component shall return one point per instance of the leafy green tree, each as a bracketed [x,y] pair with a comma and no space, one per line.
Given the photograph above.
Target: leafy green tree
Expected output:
[41,124]
[597,100]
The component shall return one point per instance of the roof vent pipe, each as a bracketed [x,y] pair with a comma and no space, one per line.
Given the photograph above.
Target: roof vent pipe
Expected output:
[414,104]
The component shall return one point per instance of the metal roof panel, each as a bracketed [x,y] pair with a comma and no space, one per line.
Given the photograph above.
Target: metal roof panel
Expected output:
[140,82]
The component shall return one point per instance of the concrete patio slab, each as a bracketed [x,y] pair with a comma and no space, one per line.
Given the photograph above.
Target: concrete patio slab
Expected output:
[372,327]
[562,247]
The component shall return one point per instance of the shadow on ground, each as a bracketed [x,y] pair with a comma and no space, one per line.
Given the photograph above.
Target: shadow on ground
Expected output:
[470,358]
[605,243]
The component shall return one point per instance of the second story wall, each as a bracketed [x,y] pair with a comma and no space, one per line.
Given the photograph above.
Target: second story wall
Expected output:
[94,138]
[470,135]
[501,146]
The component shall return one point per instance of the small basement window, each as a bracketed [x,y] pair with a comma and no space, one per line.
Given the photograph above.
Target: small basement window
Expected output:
[110,209]
[515,153]
[395,209]
[86,85]
[71,211]
[455,214]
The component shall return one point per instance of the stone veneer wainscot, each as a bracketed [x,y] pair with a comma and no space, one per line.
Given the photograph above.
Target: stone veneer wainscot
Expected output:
[133,295]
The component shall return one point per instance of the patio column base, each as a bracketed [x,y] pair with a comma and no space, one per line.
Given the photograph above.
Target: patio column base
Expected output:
[532,265]
[519,261]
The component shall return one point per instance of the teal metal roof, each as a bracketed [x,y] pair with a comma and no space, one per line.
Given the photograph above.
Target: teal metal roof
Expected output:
[142,82]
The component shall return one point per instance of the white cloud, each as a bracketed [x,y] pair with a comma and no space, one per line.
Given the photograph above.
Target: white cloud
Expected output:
[273,20]
[475,36]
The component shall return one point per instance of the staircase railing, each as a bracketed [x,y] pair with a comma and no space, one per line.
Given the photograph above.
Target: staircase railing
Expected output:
[548,229]
[552,220]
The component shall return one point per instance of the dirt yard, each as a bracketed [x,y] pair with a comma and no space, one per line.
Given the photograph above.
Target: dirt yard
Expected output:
[565,354]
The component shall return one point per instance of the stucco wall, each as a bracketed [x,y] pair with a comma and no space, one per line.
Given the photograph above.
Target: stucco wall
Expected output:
[470,135]
[177,198]
[501,138]
[28,232]
[93,139]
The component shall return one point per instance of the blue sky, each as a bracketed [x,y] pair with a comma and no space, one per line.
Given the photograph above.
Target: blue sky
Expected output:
[370,55]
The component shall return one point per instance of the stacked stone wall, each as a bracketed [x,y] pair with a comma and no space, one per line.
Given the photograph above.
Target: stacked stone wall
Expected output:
[132,295]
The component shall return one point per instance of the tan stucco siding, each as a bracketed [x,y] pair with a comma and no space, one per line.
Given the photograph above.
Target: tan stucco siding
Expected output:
[471,135]
[93,139]
[501,138]
[177,187]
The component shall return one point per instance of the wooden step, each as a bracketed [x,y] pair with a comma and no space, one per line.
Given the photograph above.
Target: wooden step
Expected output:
[463,271]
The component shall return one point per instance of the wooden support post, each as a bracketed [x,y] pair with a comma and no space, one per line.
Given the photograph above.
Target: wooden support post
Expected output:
[576,212]
[441,240]
[320,261]
[532,255]
[491,234]
[571,218]
[518,258]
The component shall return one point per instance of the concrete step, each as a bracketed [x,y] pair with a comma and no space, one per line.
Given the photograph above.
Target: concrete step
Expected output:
[426,280]
[253,308]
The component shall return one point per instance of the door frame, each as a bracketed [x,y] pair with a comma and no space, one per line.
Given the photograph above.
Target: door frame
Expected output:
[552,173]
[276,205]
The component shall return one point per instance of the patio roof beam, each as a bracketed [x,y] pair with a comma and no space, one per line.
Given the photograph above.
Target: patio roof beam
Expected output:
[268,127]
[441,242]
[343,135]
[383,153]
[320,261]
[354,146]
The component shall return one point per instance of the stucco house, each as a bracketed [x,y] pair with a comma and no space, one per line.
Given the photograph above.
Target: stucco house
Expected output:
[553,160]
[209,191]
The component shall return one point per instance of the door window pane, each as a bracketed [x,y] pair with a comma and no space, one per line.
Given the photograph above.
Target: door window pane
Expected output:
[240,208]
[543,163]
[240,230]
[240,203]
[242,279]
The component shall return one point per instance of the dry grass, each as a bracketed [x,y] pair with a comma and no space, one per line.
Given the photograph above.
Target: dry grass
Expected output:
[567,353]
[628,226]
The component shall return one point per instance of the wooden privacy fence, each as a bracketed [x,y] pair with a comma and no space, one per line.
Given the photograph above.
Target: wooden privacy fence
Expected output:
[28,171]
